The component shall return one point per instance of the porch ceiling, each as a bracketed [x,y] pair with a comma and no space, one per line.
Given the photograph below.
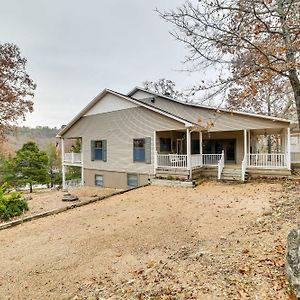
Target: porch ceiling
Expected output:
[267,131]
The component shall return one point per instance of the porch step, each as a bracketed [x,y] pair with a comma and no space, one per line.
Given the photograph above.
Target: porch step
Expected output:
[232,174]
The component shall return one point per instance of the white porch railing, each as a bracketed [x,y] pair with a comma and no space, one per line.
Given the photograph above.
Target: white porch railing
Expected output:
[295,157]
[196,160]
[211,159]
[244,167]
[267,160]
[221,163]
[73,158]
[172,160]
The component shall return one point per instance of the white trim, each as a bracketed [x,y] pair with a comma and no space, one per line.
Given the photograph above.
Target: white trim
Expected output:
[188,150]
[245,142]
[155,152]
[288,153]
[82,169]
[63,164]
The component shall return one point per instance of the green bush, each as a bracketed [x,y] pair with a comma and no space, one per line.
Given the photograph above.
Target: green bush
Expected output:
[11,203]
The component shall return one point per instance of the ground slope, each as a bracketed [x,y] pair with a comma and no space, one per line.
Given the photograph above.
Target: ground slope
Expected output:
[216,241]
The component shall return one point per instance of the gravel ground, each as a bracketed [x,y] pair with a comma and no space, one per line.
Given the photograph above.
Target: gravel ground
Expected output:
[216,241]
[44,200]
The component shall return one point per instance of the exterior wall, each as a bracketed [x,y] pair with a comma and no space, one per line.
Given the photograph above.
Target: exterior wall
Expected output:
[222,121]
[112,179]
[237,135]
[119,128]
[110,103]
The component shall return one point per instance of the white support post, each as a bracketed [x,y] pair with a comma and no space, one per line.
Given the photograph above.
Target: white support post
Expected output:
[200,147]
[245,142]
[249,141]
[188,150]
[63,163]
[82,169]
[155,152]
[288,152]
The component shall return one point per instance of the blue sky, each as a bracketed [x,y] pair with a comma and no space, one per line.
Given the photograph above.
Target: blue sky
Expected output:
[77,48]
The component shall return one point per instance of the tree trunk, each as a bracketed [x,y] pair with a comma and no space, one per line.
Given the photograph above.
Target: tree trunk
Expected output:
[30,187]
[269,136]
[295,83]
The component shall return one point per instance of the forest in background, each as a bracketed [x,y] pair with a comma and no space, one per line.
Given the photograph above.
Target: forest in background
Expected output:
[15,138]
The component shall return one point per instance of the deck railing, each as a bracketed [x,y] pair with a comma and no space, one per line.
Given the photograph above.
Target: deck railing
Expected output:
[196,160]
[73,158]
[221,163]
[211,159]
[295,157]
[172,160]
[267,160]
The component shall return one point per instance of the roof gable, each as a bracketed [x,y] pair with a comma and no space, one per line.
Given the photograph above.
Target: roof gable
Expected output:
[122,102]
[110,103]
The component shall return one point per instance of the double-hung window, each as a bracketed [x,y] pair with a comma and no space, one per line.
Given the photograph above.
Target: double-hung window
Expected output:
[98,150]
[139,150]
[165,144]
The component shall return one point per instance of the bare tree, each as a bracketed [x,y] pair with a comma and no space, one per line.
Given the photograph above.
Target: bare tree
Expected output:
[250,43]
[16,87]
[165,87]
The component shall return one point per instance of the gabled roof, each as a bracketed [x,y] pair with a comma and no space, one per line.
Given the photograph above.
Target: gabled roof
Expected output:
[136,89]
[135,101]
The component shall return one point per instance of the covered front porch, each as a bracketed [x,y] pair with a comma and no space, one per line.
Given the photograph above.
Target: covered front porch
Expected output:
[190,151]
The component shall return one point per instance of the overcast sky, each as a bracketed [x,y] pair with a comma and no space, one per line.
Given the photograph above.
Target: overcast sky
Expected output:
[77,48]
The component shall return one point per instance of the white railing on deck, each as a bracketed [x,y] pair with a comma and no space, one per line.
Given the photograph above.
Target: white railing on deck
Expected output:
[244,167]
[266,160]
[196,160]
[221,163]
[172,160]
[73,158]
[211,159]
[295,157]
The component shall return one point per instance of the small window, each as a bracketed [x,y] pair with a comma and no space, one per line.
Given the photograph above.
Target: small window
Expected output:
[139,150]
[99,180]
[165,144]
[132,180]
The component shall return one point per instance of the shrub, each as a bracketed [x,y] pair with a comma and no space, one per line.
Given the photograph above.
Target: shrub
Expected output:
[11,203]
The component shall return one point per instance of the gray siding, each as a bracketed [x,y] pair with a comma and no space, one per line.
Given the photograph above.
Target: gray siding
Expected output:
[119,128]
[223,121]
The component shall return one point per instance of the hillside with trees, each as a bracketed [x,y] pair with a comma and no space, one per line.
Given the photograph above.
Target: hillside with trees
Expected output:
[16,137]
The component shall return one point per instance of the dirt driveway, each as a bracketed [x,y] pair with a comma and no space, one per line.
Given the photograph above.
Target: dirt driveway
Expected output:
[142,242]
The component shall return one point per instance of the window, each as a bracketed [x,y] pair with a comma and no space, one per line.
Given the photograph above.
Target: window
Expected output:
[132,180]
[98,150]
[99,180]
[139,150]
[165,144]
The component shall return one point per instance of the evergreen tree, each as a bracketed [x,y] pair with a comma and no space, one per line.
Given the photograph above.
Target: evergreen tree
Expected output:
[31,165]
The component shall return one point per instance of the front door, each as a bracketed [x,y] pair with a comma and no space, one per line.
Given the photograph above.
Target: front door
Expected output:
[179,146]
[217,146]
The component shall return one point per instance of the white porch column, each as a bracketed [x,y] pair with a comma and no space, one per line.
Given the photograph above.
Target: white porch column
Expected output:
[200,147]
[245,142]
[249,141]
[63,170]
[82,168]
[155,152]
[188,149]
[288,148]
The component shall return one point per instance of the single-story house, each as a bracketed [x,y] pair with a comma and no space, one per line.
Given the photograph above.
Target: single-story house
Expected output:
[128,139]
